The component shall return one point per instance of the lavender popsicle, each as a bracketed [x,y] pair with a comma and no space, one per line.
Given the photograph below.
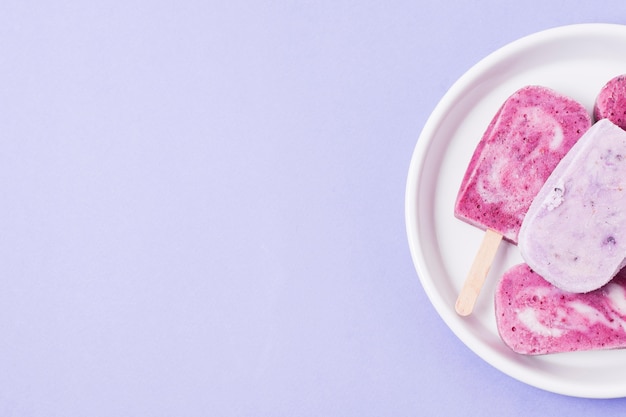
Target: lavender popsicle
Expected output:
[535,317]
[574,234]
[528,136]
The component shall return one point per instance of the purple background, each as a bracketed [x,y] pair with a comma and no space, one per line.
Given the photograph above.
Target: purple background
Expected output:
[203,207]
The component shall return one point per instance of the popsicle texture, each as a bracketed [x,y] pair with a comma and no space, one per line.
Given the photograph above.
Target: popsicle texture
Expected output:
[534,317]
[528,136]
[611,101]
[574,234]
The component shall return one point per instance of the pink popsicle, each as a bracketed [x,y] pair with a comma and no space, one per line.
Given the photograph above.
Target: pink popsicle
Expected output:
[534,317]
[611,101]
[528,136]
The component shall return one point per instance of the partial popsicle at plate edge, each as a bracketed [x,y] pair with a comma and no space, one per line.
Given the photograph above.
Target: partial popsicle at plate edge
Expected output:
[611,101]
[534,317]
[533,129]
[574,234]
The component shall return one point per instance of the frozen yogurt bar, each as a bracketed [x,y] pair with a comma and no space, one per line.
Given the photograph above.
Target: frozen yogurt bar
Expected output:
[530,133]
[574,234]
[611,101]
[534,317]
[533,129]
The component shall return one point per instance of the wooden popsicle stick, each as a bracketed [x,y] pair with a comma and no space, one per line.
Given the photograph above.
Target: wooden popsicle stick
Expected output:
[478,272]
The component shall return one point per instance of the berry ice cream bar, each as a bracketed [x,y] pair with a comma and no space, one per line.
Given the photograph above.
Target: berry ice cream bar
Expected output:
[611,101]
[574,234]
[533,129]
[531,132]
[535,317]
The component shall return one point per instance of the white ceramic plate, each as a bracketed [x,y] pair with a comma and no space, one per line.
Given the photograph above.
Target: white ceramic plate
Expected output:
[575,60]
